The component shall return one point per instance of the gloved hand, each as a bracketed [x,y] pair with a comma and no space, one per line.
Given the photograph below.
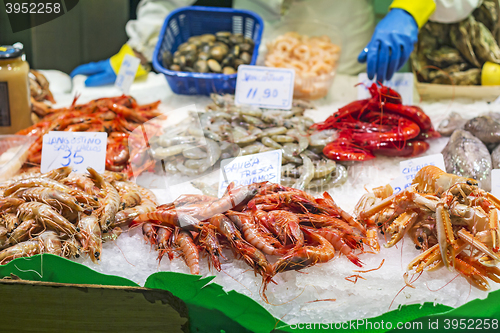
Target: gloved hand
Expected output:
[104,72]
[391,44]
[100,73]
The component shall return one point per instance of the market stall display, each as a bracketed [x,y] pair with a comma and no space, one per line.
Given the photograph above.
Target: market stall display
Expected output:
[254,221]
[227,130]
[448,217]
[66,214]
[300,250]
[118,116]
[379,125]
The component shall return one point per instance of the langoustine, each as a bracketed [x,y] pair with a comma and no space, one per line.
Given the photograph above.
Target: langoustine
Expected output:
[452,220]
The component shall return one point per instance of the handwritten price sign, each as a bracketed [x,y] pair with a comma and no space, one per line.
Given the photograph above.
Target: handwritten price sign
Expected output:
[409,169]
[78,150]
[126,74]
[249,169]
[266,87]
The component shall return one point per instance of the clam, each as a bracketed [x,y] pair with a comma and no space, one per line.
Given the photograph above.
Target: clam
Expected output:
[237,39]
[246,57]
[228,70]
[221,52]
[203,56]
[201,66]
[214,66]
[228,61]
[207,38]
[175,67]
[237,63]
[218,52]
[167,59]
[246,47]
[235,50]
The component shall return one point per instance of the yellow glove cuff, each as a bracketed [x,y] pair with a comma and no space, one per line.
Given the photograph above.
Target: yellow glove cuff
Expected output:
[117,59]
[421,10]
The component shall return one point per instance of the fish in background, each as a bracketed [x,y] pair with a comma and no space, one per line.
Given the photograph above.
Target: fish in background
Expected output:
[467,156]
[450,124]
[486,128]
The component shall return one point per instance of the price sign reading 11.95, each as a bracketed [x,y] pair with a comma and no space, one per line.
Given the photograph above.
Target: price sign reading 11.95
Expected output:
[265,87]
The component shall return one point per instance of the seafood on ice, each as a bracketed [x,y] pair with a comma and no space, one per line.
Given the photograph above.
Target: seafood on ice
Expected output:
[257,222]
[225,130]
[118,116]
[472,141]
[66,214]
[377,125]
[465,155]
[448,217]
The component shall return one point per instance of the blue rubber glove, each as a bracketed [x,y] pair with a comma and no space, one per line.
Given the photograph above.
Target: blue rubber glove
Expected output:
[100,73]
[391,44]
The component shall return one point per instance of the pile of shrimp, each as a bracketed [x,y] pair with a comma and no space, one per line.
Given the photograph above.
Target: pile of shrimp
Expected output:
[257,222]
[229,130]
[66,214]
[314,60]
[118,116]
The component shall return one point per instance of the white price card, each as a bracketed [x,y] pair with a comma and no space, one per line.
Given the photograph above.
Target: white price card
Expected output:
[495,182]
[249,169]
[126,74]
[76,149]
[409,168]
[266,87]
[403,83]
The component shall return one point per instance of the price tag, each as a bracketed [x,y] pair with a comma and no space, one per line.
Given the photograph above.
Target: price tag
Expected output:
[403,83]
[266,87]
[76,149]
[249,169]
[409,169]
[495,182]
[126,74]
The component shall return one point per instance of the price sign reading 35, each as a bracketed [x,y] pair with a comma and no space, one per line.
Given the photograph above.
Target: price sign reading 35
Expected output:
[265,87]
[76,149]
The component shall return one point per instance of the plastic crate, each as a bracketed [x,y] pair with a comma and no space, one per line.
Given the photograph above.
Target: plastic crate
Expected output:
[193,21]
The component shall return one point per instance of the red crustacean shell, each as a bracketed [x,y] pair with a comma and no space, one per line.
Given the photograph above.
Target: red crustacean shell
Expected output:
[379,125]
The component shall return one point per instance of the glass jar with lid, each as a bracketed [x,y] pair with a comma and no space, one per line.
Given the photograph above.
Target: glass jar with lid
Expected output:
[15,105]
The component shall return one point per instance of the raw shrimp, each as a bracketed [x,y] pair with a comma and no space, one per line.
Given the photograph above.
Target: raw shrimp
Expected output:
[46,215]
[147,200]
[336,239]
[52,197]
[111,202]
[252,234]
[207,239]
[307,175]
[184,241]
[306,256]
[90,236]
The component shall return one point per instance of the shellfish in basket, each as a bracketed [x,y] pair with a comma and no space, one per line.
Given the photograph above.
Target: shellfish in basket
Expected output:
[449,217]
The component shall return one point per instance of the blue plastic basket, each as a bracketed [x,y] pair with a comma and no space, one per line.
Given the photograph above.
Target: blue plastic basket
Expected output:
[185,22]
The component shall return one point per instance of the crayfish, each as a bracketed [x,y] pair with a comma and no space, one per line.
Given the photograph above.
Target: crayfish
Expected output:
[377,125]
